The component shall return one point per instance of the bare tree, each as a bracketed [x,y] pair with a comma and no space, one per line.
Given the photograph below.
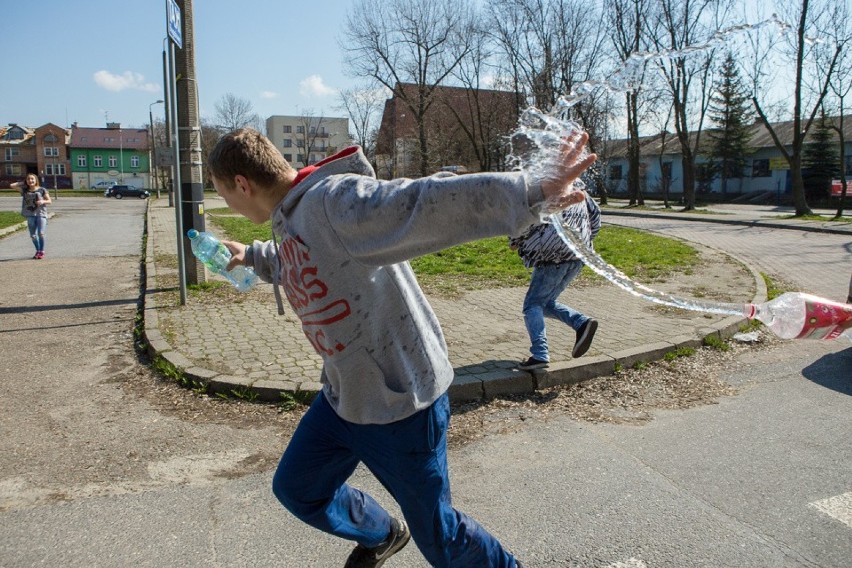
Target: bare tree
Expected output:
[364,107]
[677,26]
[417,42]
[810,84]
[310,136]
[233,113]
[485,116]
[626,20]
[840,86]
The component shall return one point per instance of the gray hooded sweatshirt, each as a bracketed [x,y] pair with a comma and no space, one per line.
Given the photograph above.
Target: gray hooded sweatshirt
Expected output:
[345,239]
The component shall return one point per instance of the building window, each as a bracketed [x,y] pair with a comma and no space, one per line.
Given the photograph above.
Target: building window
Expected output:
[81,161]
[300,143]
[300,158]
[288,157]
[615,172]
[849,165]
[11,153]
[60,169]
[113,161]
[50,139]
[13,169]
[760,169]
[287,143]
[54,169]
[134,161]
[300,130]
[51,151]
[288,129]
[97,161]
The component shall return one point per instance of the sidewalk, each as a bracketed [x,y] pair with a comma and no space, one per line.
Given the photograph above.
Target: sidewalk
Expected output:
[243,345]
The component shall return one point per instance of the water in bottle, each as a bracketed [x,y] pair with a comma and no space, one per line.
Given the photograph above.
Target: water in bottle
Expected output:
[795,315]
[216,256]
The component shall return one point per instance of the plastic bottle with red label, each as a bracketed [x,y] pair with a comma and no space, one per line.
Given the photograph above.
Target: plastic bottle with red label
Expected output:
[795,315]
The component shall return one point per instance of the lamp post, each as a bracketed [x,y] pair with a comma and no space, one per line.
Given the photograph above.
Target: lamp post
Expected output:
[152,170]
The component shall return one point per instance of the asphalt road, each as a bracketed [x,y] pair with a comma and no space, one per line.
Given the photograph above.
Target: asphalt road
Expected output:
[96,471]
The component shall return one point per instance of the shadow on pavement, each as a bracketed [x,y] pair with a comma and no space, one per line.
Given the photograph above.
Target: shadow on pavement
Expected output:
[832,371]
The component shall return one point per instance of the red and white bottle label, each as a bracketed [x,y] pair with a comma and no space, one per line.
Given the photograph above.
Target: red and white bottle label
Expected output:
[825,319]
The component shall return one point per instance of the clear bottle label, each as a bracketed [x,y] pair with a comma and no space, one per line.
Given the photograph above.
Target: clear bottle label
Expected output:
[825,319]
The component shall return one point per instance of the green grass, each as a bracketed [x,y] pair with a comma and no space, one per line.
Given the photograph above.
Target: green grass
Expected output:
[491,263]
[10,218]
[773,290]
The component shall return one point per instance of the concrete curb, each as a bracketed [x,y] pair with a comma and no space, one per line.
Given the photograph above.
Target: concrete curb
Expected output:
[841,228]
[465,387]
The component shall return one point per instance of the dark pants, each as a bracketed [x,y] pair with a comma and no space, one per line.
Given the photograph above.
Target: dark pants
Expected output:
[409,458]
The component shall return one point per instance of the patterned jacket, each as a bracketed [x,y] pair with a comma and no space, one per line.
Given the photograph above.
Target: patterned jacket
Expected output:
[541,245]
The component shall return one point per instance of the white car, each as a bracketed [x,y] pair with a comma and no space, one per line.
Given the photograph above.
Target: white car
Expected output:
[104,185]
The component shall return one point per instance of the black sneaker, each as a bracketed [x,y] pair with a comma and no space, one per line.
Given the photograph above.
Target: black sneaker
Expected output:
[533,363]
[363,557]
[584,338]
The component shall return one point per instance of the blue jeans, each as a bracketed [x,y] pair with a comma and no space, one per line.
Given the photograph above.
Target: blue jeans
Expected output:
[37,226]
[547,283]
[408,457]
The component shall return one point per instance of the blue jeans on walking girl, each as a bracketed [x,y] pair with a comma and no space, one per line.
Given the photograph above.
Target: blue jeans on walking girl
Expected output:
[409,458]
[547,283]
[37,225]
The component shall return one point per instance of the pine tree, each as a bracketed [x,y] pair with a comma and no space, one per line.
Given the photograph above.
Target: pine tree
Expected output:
[820,161]
[730,112]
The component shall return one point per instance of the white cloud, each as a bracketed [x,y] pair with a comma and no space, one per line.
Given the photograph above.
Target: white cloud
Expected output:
[314,86]
[123,82]
[268,95]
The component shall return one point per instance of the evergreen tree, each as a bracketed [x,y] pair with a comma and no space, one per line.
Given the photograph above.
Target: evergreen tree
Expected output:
[730,112]
[820,161]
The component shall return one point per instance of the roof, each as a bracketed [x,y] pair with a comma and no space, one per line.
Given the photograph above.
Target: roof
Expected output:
[760,138]
[110,138]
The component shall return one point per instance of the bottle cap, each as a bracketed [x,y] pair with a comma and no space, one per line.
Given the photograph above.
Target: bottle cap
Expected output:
[192,233]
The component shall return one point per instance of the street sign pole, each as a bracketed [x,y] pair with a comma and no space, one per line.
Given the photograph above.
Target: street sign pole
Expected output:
[173,27]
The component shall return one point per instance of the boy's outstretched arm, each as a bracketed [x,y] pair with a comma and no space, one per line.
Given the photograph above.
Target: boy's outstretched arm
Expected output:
[557,188]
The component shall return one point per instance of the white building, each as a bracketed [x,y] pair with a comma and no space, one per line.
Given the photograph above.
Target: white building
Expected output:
[306,140]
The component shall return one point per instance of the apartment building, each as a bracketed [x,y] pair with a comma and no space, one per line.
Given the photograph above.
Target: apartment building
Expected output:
[109,154]
[42,151]
[306,140]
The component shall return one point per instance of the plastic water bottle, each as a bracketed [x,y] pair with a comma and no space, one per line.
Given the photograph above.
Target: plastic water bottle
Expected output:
[216,256]
[795,315]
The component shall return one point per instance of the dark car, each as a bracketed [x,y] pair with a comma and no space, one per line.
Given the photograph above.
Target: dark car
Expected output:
[121,191]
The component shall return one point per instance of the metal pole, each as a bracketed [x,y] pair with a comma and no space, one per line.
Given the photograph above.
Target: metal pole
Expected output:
[167,85]
[176,184]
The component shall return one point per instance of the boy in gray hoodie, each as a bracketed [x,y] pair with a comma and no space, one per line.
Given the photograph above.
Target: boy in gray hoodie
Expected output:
[340,249]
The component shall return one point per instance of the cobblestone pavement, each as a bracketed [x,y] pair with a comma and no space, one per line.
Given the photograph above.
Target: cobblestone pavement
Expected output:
[246,344]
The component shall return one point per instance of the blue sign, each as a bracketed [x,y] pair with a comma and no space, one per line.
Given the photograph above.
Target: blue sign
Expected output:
[173,23]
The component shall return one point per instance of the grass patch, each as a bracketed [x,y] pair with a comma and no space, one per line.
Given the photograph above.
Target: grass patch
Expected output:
[815,217]
[716,343]
[773,290]
[491,263]
[679,352]
[10,218]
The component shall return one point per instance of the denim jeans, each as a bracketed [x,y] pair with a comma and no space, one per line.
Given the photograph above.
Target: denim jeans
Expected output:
[547,283]
[408,457]
[37,226]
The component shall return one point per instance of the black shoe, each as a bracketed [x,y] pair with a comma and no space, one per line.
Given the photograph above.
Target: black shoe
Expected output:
[584,338]
[533,363]
[363,557]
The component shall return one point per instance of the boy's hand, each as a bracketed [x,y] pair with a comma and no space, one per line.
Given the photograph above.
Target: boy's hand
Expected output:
[557,188]
[238,253]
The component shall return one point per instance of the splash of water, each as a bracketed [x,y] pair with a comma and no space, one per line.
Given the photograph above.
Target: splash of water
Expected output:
[537,141]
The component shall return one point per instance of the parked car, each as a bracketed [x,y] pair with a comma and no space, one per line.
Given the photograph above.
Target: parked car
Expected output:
[122,191]
[104,185]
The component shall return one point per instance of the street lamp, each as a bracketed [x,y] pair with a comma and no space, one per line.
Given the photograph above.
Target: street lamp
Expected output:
[151,144]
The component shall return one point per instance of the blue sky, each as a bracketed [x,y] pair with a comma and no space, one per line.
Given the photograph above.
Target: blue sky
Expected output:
[84,60]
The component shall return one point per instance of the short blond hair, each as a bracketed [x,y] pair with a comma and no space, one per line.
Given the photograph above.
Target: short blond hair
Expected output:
[249,153]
